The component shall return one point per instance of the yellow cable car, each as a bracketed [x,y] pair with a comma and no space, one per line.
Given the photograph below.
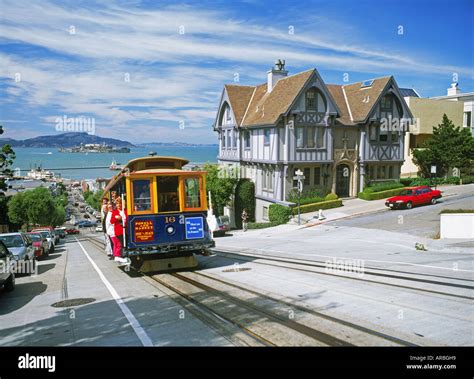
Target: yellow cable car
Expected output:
[167,209]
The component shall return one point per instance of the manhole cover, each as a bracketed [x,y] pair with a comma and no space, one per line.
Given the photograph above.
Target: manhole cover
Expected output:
[73,302]
[237,269]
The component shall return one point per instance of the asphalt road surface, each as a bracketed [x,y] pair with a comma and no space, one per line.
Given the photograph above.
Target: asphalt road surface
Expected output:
[421,221]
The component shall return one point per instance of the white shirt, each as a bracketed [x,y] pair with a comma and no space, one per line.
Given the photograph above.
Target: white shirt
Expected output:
[109,227]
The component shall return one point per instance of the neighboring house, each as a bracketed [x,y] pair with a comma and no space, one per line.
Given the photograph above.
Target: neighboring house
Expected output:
[332,133]
[454,94]
[428,113]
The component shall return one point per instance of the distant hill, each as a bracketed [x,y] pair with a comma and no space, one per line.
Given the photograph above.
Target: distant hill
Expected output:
[64,140]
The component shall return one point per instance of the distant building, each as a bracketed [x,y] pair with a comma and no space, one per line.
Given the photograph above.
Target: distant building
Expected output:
[429,113]
[101,183]
[39,174]
[19,185]
[332,133]
[454,94]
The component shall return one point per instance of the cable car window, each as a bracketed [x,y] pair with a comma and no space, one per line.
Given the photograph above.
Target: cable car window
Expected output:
[192,197]
[141,195]
[168,199]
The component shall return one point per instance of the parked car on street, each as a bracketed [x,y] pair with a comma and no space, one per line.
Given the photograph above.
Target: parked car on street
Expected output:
[72,231]
[223,225]
[99,228]
[413,196]
[21,246]
[51,244]
[40,244]
[51,230]
[61,232]
[87,224]
[7,275]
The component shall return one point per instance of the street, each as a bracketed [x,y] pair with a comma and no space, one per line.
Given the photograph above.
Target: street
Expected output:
[355,281]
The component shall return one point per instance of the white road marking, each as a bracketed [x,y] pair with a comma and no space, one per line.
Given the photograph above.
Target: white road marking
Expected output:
[137,328]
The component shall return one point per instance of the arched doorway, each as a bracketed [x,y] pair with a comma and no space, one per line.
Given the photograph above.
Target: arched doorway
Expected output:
[343,180]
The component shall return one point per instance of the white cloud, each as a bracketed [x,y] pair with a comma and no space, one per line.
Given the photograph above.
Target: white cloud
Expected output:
[173,77]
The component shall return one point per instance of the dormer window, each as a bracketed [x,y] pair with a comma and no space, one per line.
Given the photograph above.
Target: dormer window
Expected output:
[386,103]
[311,100]
[225,117]
[315,100]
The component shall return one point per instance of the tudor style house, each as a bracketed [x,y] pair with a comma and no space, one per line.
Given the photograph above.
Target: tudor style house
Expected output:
[333,133]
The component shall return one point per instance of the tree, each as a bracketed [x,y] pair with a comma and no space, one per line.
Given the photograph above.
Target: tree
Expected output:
[7,155]
[221,183]
[35,207]
[447,148]
[17,212]
[244,198]
[93,198]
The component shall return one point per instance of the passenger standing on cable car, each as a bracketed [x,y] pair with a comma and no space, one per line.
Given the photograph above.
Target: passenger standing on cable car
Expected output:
[109,229]
[118,219]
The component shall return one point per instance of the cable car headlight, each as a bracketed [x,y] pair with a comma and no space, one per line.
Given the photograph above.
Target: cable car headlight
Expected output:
[170,229]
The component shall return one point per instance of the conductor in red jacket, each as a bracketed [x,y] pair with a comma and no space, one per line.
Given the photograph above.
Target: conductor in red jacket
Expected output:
[118,219]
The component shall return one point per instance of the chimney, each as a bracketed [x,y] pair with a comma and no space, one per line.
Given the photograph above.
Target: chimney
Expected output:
[275,74]
[454,90]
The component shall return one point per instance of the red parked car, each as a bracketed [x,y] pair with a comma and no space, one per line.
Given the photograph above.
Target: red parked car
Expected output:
[40,244]
[72,231]
[414,196]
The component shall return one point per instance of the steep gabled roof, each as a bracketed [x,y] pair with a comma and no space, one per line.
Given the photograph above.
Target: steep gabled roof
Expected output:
[361,100]
[239,97]
[356,101]
[253,106]
[265,108]
[337,94]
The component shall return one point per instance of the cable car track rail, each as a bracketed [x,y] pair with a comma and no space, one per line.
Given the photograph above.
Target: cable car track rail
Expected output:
[292,327]
[304,265]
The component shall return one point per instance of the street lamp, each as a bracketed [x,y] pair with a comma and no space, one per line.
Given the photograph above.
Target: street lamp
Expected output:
[299,177]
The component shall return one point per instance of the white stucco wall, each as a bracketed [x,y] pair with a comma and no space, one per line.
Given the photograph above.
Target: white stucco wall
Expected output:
[457,225]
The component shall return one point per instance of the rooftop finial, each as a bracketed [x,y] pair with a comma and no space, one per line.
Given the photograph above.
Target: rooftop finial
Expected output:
[280,64]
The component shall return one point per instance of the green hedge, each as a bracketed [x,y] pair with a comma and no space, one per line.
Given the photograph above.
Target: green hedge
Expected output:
[468,179]
[456,211]
[331,196]
[310,200]
[279,214]
[379,187]
[317,206]
[407,181]
[261,225]
[379,195]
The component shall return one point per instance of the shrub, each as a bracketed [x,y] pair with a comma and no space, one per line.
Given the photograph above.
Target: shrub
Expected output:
[468,179]
[310,200]
[308,193]
[385,186]
[279,214]
[435,181]
[261,225]
[379,195]
[317,206]
[452,180]
[456,211]
[331,196]
[244,198]
[406,181]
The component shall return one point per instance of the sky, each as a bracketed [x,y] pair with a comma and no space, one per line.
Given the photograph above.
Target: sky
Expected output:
[154,71]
